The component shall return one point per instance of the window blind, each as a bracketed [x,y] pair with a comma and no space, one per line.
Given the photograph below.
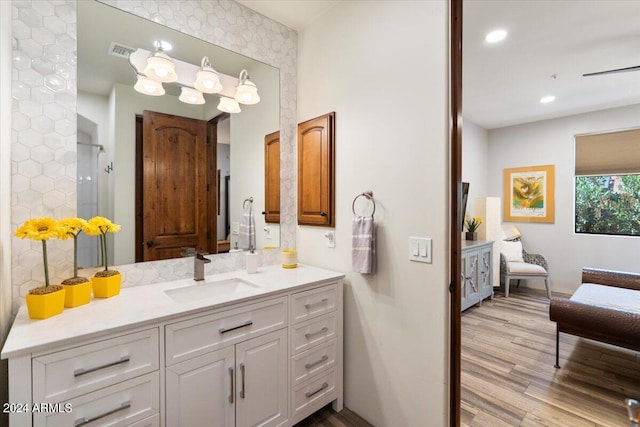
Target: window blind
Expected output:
[608,153]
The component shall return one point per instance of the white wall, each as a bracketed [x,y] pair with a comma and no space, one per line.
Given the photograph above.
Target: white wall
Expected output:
[552,142]
[475,152]
[358,60]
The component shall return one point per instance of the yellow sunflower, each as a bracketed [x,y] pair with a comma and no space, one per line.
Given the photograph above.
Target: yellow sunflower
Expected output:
[100,225]
[44,228]
[71,227]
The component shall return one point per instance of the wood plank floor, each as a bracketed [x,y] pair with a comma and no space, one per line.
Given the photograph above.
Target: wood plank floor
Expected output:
[508,378]
[327,417]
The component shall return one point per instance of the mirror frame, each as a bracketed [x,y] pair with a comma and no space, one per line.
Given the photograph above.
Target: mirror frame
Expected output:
[44,125]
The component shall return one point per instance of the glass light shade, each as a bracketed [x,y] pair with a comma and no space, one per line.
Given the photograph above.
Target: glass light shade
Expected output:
[148,86]
[247,93]
[207,81]
[228,105]
[191,96]
[161,68]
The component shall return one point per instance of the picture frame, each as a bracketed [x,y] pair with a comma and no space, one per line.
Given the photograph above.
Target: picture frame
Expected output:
[529,194]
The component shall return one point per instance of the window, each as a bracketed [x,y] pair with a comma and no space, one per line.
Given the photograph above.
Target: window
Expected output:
[607,184]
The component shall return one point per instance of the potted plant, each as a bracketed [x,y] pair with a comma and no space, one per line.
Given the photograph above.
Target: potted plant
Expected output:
[77,289]
[472,227]
[48,300]
[106,283]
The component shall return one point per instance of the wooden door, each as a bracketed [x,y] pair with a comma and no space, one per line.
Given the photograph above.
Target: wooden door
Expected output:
[272,178]
[175,189]
[200,391]
[261,380]
[316,171]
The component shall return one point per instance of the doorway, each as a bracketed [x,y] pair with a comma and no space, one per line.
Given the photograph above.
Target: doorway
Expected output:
[175,187]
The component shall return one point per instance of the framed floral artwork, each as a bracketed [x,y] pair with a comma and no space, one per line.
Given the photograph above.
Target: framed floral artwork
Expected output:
[529,194]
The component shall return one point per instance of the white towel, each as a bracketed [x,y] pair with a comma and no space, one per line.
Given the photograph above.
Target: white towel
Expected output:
[247,232]
[363,245]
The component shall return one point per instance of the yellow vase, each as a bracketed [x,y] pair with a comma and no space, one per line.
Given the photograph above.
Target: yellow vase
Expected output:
[45,306]
[76,295]
[105,287]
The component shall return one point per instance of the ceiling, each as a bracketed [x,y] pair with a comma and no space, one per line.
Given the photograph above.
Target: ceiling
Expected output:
[503,82]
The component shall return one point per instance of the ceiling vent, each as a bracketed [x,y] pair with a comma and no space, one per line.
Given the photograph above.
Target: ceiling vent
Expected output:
[119,50]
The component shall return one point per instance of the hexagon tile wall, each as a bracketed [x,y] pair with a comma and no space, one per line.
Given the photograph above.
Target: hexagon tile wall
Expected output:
[43,156]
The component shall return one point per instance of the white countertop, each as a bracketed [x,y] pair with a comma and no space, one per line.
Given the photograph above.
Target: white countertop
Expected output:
[139,305]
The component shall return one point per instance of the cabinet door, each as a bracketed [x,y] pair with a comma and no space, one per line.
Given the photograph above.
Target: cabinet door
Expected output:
[485,281]
[272,178]
[470,293]
[200,391]
[261,380]
[316,171]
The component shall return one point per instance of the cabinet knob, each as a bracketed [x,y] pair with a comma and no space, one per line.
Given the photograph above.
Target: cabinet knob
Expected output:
[264,213]
[150,244]
[323,214]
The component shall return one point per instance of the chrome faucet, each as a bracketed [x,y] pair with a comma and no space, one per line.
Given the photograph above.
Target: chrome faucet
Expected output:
[198,266]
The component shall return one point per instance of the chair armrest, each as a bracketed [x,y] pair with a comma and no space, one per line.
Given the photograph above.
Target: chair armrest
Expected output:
[618,279]
[535,259]
[600,323]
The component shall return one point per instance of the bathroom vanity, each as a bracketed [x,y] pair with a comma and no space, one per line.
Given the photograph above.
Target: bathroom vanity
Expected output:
[233,350]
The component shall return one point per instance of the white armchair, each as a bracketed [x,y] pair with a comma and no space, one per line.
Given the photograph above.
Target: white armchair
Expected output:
[516,263]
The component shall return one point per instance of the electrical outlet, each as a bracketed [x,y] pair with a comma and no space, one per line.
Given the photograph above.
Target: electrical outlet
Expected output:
[331,239]
[267,232]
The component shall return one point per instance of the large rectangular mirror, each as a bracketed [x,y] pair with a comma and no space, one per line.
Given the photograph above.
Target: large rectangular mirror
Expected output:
[111,151]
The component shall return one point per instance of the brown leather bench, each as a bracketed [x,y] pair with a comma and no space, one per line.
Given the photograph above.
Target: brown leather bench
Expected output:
[606,308]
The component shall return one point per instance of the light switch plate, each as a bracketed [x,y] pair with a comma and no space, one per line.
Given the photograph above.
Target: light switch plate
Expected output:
[420,249]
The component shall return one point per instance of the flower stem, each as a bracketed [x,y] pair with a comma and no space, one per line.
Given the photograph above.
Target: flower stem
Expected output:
[75,256]
[46,265]
[104,250]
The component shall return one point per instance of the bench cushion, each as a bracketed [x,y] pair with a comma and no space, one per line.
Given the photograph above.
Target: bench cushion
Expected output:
[620,299]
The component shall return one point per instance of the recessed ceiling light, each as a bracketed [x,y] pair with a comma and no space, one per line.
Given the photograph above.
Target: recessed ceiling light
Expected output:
[547,99]
[496,36]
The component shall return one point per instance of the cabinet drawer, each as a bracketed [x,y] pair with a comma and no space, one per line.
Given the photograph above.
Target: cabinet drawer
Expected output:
[313,332]
[119,405]
[60,376]
[315,302]
[313,394]
[153,421]
[312,362]
[201,335]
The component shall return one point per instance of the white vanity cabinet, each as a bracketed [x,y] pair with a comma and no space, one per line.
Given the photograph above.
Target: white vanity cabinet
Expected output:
[242,384]
[476,272]
[270,359]
[110,382]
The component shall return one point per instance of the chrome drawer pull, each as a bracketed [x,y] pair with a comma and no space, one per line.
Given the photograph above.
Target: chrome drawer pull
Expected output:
[317,362]
[233,380]
[242,375]
[313,393]
[323,301]
[82,421]
[244,325]
[82,371]
[311,334]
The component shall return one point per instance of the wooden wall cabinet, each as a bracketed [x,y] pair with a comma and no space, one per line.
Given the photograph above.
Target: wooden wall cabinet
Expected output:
[316,171]
[272,178]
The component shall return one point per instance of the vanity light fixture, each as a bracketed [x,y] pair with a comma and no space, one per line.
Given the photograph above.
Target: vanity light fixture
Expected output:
[246,92]
[191,96]
[207,80]
[547,99]
[160,67]
[228,105]
[148,86]
[496,36]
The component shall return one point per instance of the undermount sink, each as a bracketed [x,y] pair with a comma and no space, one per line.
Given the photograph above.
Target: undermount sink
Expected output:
[212,289]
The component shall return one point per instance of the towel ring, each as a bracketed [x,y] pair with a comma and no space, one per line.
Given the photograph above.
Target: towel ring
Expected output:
[244,204]
[369,196]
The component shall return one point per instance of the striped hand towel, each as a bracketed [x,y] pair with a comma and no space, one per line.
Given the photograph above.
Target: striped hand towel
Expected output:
[363,244]
[247,231]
